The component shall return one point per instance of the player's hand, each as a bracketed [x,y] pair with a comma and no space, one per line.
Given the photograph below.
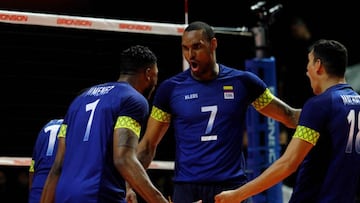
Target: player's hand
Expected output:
[131,196]
[228,196]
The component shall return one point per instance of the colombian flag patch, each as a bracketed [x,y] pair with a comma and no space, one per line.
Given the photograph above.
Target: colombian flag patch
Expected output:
[228,92]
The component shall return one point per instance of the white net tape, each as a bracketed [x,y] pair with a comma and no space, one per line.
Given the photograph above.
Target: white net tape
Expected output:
[25,161]
[78,22]
[66,21]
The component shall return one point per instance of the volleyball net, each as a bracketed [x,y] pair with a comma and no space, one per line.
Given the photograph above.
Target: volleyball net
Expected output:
[104,25]
[96,24]
[26,161]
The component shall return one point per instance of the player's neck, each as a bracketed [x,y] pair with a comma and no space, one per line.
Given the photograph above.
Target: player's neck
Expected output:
[214,72]
[132,80]
[209,75]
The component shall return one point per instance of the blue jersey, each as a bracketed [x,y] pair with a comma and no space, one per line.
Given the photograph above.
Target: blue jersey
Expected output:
[209,121]
[43,157]
[88,173]
[331,170]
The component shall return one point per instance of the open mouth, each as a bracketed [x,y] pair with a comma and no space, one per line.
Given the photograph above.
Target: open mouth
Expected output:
[194,65]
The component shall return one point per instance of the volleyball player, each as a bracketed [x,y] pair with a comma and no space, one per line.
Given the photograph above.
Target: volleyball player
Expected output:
[42,158]
[97,141]
[326,144]
[207,104]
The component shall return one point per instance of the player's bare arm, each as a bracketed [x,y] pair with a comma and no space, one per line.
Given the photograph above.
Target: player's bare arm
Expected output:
[155,131]
[282,112]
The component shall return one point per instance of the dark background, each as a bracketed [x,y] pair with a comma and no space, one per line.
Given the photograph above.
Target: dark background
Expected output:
[43,68]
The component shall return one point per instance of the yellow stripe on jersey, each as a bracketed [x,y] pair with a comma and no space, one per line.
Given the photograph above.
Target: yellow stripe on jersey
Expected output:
[307,134]
[31,169]
[62,131]
[228,87]
[160,115]
[127,122]
[263,99]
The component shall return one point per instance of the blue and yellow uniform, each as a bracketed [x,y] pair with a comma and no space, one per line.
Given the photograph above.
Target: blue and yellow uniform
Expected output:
[43,157]
[209,123]
[331,171]
[88,173]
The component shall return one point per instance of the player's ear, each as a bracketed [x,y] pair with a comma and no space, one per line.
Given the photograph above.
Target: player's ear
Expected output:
[213,43]
[148,73]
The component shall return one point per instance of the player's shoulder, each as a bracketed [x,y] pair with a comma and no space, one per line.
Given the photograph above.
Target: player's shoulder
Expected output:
[242,75]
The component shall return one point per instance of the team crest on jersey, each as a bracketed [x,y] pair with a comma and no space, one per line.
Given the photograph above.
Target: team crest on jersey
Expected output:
[228,92]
